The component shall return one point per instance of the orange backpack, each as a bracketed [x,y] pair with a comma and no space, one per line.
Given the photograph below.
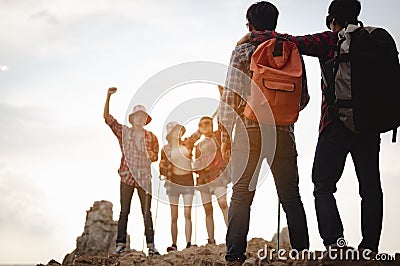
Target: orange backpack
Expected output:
[276,86]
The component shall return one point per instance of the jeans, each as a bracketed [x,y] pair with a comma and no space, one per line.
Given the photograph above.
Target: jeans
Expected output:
[126,193]
[334,143]
[250,147]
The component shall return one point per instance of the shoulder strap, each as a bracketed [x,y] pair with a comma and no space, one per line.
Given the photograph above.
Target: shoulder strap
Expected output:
[329,72]
[216,140]
[148,136]
[305,96]
[394,135]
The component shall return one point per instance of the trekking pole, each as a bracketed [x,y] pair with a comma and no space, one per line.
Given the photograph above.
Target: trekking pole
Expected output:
[158,197]
[195,222]
[143,241]
[145,206]
[279,225]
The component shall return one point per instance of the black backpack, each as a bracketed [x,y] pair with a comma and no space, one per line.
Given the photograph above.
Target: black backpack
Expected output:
[371,61]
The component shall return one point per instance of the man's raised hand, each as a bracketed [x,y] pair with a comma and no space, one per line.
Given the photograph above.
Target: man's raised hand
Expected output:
[112,90]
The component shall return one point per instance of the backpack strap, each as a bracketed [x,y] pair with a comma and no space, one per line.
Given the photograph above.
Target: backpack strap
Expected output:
[278,49]
[338,57]
[305,96]
[216,140]
[344,103]
[394,135]
[329,70]
[329,91]
[343,58]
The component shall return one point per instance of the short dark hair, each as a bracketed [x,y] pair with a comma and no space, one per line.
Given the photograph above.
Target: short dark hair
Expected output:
[344,11]
[263,16]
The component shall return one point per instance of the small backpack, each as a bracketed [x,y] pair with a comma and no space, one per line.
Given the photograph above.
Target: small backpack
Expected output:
[278,77]
[362,80]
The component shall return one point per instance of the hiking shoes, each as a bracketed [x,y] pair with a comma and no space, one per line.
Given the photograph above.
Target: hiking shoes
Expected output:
[153,251]
[121,247]
[172,248]
[211,242]
[234,263]
[189,245]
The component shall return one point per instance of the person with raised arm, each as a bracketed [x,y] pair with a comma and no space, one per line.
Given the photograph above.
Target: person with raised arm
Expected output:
[139,148]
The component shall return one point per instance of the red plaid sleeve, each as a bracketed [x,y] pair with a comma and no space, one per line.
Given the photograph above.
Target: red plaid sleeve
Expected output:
[154,146]
[115,126]
[317,45]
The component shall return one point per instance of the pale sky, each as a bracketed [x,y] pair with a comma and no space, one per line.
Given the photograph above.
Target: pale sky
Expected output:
[57,157]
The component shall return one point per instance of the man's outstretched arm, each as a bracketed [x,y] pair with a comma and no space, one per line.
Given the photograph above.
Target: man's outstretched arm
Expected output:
[106,113]
[319,45]
[109,119]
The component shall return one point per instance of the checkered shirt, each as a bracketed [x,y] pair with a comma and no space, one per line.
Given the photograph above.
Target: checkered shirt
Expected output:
[134,168]
[237,83]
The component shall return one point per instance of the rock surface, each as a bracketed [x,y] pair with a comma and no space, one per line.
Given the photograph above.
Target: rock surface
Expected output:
[213,255]
[99,234]
[96,244]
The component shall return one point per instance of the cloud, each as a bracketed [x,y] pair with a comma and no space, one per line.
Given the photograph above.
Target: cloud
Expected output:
[22,127]
[48,29]
[46,16]
[23,207]
[14,114]
[34,133]
[22,203]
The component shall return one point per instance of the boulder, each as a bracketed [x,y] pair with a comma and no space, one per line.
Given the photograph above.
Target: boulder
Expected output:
[284,237]
[99,234]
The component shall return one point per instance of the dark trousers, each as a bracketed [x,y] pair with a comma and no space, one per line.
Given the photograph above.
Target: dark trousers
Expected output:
[249,149]
[126,193]
[334,143]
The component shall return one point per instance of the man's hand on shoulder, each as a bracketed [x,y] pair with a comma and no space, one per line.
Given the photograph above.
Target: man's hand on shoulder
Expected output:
[244,39]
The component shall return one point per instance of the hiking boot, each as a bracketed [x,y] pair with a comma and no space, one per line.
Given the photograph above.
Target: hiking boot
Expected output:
[172,248]
[189,245]
[153,251]
[121,247]
[234,263]
[211,242]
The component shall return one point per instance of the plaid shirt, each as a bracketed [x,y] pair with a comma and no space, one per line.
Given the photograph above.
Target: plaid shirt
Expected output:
[134,169]
[321,45]
[237,83]
[209,160]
